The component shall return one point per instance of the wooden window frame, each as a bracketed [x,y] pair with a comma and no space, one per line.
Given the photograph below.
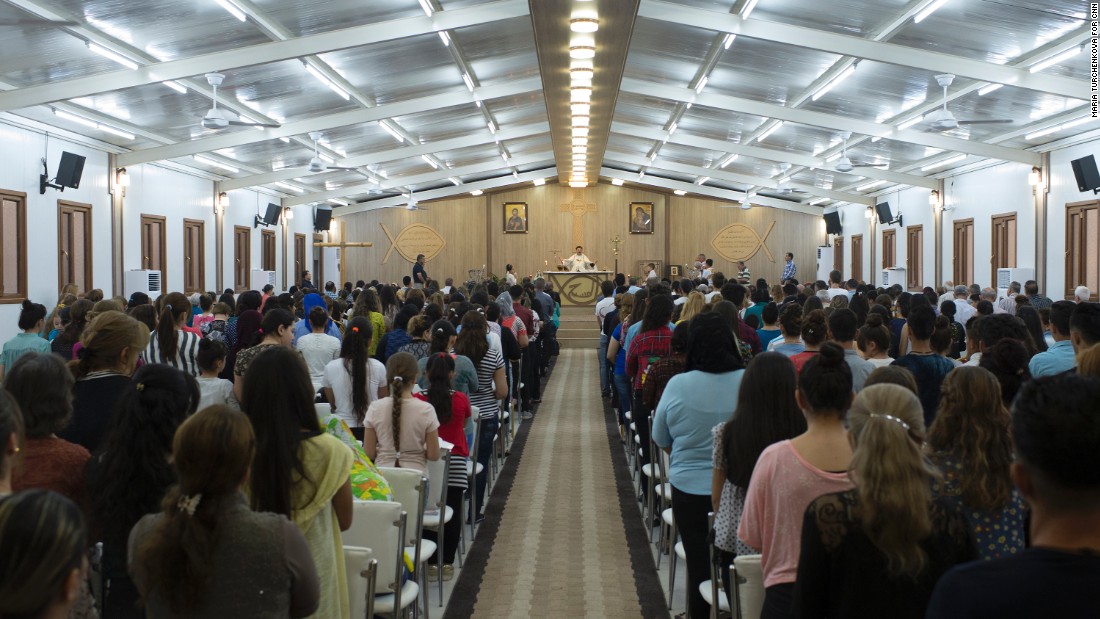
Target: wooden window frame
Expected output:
[163,246]
[242,284]
[1070,268]
[889,260]
[914,252]
[200,286]
[958,272]
[993,266]
[20,294]
[857,258]
[86,209]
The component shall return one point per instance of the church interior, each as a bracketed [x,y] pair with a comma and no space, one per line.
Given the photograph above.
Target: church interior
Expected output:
[583,151]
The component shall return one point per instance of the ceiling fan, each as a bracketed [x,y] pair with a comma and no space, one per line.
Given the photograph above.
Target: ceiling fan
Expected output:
[412,203]
[943,120]
[316,164]
[216,118]
[844,164]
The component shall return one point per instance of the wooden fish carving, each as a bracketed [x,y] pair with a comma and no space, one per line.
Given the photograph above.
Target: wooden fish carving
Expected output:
[415,239]
[740,242]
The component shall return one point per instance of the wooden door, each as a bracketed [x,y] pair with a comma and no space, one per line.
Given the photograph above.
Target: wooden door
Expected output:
[838,255]
[914,257]
[299,258]
[242,257]
[194,255]
[74,244]
[889,245]
[13,253]
[1004,244]
[857,258]
[153,253]
[267,250]
[1083,248]
[962,271]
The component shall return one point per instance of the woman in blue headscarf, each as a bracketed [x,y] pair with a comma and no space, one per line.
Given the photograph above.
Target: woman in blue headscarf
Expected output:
[309,302]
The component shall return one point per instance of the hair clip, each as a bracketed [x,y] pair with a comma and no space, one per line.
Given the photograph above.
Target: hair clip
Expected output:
[355,329]
[891,418]
[439,330]
[140,386]
[398,379]
[168,306]
[188,503]
[260,330]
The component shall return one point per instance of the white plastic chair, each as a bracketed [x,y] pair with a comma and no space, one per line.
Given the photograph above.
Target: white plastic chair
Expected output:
[438,514]
[747,577]
[473,469]
[410,488]
[362,570]
[380,526]
[712,589]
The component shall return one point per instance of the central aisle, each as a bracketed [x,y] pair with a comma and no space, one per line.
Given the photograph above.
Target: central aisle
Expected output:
[561,548]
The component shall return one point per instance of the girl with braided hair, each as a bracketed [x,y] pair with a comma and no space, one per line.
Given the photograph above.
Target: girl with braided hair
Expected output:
[401,430]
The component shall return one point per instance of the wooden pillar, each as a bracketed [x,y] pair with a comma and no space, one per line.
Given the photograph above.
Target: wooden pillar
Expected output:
[118,200]
[219,238]
[1041,195]
[937,226]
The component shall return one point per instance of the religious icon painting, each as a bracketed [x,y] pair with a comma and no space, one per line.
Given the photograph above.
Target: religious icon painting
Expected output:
[641,218]
[515,217]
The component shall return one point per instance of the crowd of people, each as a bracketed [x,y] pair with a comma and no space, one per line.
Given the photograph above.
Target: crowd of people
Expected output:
[204,452]
[887,453]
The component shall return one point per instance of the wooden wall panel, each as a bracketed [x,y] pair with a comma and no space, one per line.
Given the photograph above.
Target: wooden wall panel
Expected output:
[473,228]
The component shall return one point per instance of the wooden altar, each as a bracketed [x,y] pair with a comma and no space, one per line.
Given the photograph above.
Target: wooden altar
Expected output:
[578,288]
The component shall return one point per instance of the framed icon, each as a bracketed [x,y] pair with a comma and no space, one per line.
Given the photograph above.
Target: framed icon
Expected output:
[515,218]
[641,218]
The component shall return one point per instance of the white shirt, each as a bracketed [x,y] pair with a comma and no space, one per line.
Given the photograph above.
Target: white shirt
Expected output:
[318,349]
[577,263]
[510,278]
[603,308]
[337,378]
[836,292]
[710,295]
[964,311]
[445,290]
[216,391]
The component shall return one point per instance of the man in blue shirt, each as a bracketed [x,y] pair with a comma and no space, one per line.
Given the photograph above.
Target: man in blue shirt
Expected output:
[1060,356]
[420,276]
[790,270]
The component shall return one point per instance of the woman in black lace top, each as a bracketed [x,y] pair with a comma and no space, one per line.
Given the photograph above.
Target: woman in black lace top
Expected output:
[877,550]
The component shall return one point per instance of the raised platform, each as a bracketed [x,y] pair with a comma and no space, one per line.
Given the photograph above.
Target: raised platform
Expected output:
[578,327]
[578,288]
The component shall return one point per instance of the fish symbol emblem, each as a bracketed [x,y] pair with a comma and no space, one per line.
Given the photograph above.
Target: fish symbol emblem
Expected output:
[740,242]
[415,239]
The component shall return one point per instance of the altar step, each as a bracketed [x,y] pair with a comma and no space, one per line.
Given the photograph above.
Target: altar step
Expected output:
[578,327]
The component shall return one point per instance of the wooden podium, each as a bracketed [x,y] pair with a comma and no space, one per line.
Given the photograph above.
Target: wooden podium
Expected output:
[578,289]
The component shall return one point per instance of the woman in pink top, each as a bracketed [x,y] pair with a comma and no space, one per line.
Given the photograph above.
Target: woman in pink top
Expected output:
[789,475]
[401,430]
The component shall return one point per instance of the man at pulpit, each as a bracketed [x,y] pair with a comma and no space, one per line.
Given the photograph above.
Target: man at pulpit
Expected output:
[579,262]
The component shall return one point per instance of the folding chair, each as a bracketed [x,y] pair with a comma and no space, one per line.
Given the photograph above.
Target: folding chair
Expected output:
[380,526]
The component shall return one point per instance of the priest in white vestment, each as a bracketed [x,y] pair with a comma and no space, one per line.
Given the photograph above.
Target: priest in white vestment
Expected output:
[579,262]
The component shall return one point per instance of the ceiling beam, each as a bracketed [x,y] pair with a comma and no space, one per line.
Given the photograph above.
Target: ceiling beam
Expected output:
[394,154]
[713,192]
[828,121]
[264,53]
[435,176]
[445,192]
[858,47]
[340,119]
[767,154]
[730,177]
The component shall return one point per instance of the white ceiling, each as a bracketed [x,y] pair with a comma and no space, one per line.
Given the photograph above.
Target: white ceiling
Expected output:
[392,63]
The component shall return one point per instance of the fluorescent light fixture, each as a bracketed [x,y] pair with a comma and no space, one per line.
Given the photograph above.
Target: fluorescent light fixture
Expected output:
[672,128]
[680,192]
[728,160]
[580,150]
[749,6]
[87,122]
[315,72]
[876,139]
[1057,128]
[653,157]
[469,81]
[1055,59]
[580,140]
[176,86]
[581,70]
[580,132]
[455,181]
[769,131]
[233,9]
[338,202]
[428,160]
[290,187]
[834,157]
[943,162]
[476,101]
[427,6]
[845,74]
[988,88]
[1079,121]
[492,127]
[728,40]
[325,158]
[582,109]
[582,52]
[112,55]
[702,180]
[539,182]
[909,123]
[284,140]
[618,182]
[476,192]
[584,24]
[390,130]
[818,201]
[578,184]
[216,164]
[580,94]
[928,10]
[870,185]
[580,121]
[701,85]
[504,156]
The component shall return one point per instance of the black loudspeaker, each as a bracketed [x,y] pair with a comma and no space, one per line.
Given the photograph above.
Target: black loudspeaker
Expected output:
[271,217]
[1084,170]
[72,167]
[321,219]
[883,210]
[832,223]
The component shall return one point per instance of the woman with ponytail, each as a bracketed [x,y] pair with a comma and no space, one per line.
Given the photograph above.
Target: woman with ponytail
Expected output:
[354,380]
[276,329]
[400,430]
[452,409]
[492,387]
[878,549]
[443,339]
[171,344]
[32,317]
[74,328]
[206,554]
[814,331]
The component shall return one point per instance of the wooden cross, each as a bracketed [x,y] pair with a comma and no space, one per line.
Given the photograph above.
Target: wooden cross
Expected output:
[578,208]
[343,245]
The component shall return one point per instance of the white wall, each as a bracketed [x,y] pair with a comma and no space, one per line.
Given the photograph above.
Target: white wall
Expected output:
[1063,190]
